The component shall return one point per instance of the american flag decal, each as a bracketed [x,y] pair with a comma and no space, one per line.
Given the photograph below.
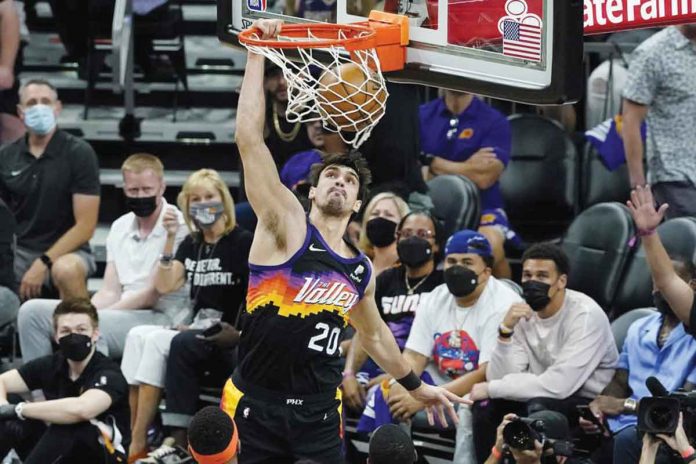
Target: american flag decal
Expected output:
[521,40]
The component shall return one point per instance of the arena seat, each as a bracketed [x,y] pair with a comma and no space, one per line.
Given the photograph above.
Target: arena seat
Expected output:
[619,328]
[513,285]
[598,184]
[456,201]
[635,289]
[540,184]
[597,246]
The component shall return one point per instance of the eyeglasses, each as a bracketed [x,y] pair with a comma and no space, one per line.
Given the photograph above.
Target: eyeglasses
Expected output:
[454,128]
[420,233]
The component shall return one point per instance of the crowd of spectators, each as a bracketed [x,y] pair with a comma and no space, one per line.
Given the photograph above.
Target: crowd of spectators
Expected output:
[167,317]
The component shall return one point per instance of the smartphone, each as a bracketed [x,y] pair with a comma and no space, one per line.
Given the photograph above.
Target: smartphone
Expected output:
[212,330]
[587,414]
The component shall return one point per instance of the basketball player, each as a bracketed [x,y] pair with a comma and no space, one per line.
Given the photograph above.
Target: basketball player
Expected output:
[305,284]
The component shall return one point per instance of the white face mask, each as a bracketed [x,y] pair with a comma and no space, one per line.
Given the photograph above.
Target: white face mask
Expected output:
[40,119]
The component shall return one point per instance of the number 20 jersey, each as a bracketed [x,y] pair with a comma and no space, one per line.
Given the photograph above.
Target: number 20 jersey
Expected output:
[297,312]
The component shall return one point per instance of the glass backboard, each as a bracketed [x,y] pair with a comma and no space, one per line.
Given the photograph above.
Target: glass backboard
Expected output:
[522,50]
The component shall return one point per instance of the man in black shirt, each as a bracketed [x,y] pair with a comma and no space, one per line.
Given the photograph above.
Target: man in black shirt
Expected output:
[50,181]
[86,405]
[678,293]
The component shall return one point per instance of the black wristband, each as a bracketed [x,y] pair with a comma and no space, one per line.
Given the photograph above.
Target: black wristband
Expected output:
[502,334]
[410,382]
[47,261]
[426,159]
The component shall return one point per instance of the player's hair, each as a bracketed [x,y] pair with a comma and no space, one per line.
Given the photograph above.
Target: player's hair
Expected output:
[391,445]
[211,431]
[364,243]
[551,252]
[353,160]
[139,162]
[76,306]
[37,81]
[207,178]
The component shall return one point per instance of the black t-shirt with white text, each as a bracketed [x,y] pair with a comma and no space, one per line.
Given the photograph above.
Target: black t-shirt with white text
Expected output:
[217,273]
[50,374]
[396,305]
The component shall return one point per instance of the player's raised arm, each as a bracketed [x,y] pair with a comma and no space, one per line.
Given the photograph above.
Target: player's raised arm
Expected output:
[276,207]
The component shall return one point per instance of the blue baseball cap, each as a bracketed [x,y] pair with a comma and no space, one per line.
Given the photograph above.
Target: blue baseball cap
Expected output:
[468,241]
[298,167]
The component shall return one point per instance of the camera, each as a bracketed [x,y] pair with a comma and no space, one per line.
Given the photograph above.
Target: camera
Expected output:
[660,413]
[522,432]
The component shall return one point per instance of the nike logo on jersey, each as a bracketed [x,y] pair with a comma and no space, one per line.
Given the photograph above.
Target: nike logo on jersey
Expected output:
[313,248]
[315,291]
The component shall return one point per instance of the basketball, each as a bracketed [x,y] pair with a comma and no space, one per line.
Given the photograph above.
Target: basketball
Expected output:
[350,99]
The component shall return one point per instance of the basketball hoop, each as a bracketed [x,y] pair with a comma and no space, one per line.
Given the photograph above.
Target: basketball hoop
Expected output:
[334,71]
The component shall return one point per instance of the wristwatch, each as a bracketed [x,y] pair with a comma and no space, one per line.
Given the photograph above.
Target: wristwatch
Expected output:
[504,331]
[18,410]
[46,260]
[166,259]
[630,405]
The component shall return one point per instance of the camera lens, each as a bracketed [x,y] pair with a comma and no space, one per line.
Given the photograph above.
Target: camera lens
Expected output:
[660,418]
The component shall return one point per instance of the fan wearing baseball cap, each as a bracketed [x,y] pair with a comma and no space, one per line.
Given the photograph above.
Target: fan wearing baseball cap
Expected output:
[455,329]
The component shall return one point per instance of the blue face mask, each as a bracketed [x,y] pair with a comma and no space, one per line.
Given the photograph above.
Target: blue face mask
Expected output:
[40,119]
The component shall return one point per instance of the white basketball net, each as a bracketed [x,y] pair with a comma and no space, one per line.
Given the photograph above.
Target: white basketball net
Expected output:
[311,100]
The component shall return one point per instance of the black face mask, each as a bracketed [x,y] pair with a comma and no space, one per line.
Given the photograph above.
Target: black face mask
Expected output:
[661,304]
[143,206]
[414,251]
[75,347]
[380,232]
[461,281]
[536,294]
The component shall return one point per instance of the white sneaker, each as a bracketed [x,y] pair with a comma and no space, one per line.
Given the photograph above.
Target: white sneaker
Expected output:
[167,453]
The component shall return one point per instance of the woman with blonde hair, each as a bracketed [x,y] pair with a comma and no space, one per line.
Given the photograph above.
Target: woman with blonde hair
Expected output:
[213,260]
[378,235]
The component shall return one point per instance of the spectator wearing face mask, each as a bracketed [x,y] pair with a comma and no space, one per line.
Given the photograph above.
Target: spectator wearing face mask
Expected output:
[85,416]
[128,296]
[213,260]
[555,351]
[399,292]
[453,333]
[378,235]
[656,345]
[50,181]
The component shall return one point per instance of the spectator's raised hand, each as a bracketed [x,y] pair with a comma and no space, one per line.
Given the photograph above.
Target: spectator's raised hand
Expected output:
[642,207]
[170,221]
[516,312]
